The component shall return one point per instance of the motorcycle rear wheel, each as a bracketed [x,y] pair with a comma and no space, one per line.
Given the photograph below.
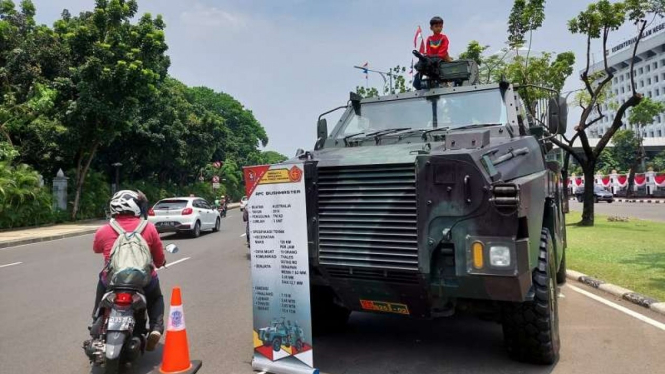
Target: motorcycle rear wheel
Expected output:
[112,366]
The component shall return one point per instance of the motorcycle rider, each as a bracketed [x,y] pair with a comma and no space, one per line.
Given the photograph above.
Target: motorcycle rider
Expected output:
[127,208]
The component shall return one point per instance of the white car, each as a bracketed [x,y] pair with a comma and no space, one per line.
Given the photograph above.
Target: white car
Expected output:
[243,203]
[178,214]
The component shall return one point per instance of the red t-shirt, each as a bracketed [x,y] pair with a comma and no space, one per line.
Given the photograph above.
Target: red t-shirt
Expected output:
[437,45]
[106,236]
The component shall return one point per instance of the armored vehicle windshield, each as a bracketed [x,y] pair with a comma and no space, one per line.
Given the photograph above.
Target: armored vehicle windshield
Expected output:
[451,111]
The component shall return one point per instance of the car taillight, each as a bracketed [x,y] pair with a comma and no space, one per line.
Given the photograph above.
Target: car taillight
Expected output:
[151,212]
[187,211]
[122,298]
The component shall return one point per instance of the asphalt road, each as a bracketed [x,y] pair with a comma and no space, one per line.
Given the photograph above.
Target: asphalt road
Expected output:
[47,299]
[652,212]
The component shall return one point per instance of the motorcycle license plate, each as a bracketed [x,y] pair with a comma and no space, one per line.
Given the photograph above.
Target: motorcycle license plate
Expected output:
[120,323]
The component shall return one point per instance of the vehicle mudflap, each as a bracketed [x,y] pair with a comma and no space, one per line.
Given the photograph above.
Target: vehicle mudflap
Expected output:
[114,342]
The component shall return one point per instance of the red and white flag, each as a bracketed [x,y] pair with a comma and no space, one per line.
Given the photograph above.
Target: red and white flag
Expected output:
[419,36]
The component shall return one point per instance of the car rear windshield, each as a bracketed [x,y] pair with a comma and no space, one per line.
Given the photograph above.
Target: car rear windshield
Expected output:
[171,204]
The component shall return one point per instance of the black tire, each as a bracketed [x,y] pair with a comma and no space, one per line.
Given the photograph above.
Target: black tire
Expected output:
[327,314]
[561,274]
[112,366]
[276,344]
[597,200]
[580,199]
[196,232]
[531,329]
[218,223]
[610,201]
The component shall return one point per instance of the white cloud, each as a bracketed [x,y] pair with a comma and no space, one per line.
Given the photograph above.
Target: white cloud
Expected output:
[205,17]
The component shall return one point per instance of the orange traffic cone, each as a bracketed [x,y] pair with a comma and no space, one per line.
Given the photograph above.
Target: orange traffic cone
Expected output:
[176,349]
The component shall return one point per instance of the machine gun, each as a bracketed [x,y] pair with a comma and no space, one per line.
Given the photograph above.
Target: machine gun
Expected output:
[434,72]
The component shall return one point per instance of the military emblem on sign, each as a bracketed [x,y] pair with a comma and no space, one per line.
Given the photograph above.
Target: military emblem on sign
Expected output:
[252,176]
[176,319]
[295,174]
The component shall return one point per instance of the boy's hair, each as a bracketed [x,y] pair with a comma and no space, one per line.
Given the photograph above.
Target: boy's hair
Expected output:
[436,21]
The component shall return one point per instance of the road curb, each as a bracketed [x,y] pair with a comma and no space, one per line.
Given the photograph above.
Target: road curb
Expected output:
[14,243]
[626,294]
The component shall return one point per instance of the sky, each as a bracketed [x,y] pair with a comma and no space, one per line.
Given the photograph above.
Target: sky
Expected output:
[290,60]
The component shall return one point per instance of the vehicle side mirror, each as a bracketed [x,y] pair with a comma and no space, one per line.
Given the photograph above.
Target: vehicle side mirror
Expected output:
[557,118]
[322,129]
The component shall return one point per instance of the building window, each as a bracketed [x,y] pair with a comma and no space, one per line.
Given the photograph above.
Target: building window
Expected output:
[648,68]
[657,92]
[621,78]
[648,81]
[655,78]
[623,90]
[660,133]
[616,91]
[641,70]
[641,83]
[615,80]
[649,94]
[655,65]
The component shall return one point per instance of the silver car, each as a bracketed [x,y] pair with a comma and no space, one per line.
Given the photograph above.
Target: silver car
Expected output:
[178,214]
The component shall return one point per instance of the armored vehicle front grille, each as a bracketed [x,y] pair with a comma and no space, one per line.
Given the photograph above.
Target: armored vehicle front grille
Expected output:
[367,217]
[389,276]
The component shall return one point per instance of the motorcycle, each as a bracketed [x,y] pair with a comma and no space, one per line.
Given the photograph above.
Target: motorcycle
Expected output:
[222,211]
[119,333]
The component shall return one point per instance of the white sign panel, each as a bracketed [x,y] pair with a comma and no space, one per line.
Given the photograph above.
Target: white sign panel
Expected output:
[282,336]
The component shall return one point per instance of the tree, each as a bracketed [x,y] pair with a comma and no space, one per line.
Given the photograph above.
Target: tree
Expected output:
[597,22]
[608,161]
[525,16]
[643,114]
[474,51]
[625,143]
[113,66]
[658,162]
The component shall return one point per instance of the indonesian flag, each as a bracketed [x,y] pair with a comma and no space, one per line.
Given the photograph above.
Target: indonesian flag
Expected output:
[419,35]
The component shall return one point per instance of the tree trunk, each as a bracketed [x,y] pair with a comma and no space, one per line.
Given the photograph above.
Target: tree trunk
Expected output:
[589,199]
[80,178]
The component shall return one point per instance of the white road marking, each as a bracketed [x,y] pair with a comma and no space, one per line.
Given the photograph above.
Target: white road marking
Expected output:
[243,235]
[619,308]
[174,262]
[12,264]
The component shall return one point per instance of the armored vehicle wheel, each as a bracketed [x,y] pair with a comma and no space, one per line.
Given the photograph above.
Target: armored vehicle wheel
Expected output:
[327,315]
[276,344]
[531,329]
[561,274]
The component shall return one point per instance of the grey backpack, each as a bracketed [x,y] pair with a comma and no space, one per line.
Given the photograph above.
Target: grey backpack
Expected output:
[130,262]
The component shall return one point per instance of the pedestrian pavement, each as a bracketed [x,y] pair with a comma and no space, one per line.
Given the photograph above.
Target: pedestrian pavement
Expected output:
[31,235]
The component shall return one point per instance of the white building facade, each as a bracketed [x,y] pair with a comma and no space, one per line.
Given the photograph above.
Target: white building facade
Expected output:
[649,78]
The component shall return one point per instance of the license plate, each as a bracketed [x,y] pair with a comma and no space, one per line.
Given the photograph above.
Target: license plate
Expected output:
[120,323]
[381,306]
[168,224]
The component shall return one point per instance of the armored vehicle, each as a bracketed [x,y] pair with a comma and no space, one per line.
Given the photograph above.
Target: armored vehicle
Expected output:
[438,201]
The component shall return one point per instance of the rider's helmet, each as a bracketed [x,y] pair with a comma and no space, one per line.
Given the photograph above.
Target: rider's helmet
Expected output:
[127,202]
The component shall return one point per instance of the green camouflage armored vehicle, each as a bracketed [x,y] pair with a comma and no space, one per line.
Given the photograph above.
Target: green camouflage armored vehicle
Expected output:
[439,201]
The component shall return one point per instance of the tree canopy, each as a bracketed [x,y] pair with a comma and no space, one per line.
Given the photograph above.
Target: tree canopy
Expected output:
[93,90]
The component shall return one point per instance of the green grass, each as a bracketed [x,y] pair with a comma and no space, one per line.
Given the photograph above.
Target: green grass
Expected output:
[628,254]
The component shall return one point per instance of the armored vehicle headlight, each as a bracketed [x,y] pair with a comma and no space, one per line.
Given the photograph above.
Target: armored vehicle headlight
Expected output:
[500,256]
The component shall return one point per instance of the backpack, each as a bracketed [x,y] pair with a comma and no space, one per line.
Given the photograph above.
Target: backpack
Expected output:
[130,262]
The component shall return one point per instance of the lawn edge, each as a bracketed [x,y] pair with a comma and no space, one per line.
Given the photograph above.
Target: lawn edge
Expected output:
[618,291]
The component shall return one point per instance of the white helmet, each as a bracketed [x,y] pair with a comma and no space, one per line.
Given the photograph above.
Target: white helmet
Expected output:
[126,202]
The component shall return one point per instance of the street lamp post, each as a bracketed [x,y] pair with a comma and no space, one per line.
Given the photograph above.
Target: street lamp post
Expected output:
[381,73]
[117,166]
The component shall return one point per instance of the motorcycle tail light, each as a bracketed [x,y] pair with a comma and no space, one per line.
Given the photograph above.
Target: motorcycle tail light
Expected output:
[122,298]
[187,211]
